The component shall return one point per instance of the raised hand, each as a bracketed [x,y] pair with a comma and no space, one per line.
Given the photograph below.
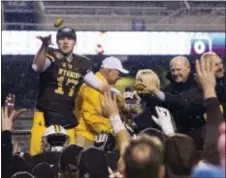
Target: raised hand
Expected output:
[109,104]
[164,120]
[46,40]
[9,114]
[206,77]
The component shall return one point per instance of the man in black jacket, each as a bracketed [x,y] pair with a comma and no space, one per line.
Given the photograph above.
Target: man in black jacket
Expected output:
[184,99]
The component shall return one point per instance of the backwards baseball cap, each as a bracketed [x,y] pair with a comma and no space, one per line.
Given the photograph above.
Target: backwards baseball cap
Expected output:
[66,32]
[113,63]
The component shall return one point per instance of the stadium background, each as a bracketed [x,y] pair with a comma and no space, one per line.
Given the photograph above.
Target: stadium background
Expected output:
[185,16]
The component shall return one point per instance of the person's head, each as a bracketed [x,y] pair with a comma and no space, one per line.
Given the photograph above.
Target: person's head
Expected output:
[111,68]
[154,133]
[216,61]
[180,69]
[22,175]
[92,163]
[66,40]
[44,170]
[147,77]
[143,157]
[180,154]
[68,161]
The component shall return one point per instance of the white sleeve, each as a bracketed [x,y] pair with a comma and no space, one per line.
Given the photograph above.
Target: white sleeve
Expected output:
[116,91]
[91,80]
[46,66]
[161,95]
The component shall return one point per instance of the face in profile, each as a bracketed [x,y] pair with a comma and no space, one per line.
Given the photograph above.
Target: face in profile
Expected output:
[113,76]
[218,67]
[217,63]
[66,44]
[180,70]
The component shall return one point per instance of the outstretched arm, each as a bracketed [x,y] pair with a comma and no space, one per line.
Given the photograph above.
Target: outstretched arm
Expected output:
[40,63]
[111,111]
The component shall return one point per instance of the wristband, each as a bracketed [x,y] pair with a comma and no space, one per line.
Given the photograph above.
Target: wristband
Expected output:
[116,124]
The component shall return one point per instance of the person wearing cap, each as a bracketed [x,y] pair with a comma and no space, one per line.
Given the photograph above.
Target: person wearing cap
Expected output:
[88,105]
[60,74]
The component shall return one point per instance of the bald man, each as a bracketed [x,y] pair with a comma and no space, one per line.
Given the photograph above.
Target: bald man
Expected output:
[143,157]
[180,69]
[184,99]
[218,63]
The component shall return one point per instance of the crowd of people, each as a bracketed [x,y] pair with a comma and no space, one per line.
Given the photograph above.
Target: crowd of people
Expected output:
[96,131]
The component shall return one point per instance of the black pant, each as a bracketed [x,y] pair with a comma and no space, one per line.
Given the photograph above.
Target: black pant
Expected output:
[65,119]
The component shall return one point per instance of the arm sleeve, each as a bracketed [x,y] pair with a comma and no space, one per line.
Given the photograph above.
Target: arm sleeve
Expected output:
[91,80]
[48,61]
[7,154]
[214,118]
[46,65]
[91,110]
[188,99]
[160,95]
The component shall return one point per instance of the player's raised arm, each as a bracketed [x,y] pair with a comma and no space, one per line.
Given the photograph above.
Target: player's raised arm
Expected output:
[40,62]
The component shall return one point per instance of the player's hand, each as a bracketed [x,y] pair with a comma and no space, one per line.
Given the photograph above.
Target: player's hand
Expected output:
[46,40]
[109,104]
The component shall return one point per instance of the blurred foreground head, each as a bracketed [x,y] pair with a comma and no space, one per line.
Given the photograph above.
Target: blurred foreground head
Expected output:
[216,61]
[93,164]
[180,155]
[143,157]
[180,69]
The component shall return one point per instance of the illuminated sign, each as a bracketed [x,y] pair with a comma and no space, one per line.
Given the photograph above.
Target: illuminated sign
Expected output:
[120,43]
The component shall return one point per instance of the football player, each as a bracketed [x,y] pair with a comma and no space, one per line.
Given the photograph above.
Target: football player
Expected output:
[60,71]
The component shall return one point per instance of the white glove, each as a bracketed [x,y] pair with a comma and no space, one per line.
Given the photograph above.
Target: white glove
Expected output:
[164,120]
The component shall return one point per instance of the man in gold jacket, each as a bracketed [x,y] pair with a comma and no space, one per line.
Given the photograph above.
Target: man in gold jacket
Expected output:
[88,105]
